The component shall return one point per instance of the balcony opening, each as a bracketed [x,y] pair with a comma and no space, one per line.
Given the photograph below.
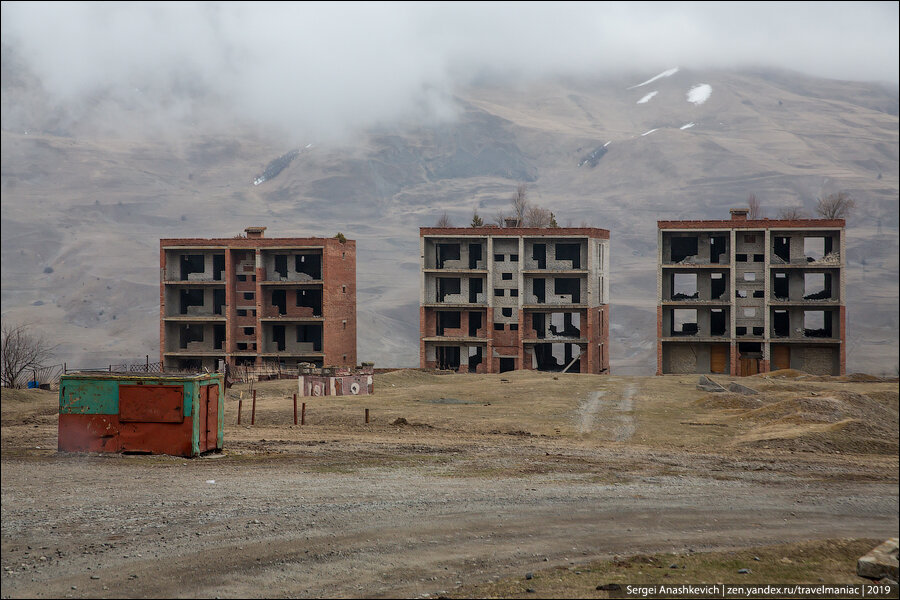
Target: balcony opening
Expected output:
[218,266]
[782,249]
[447,286]
[188,334]
[446,320]
[281,265]
[279,300]
[565,324]
[474,255]
[278,337]
[568,286]
[310,334]
[555,357]
[309,264]
[717,323]
[684,321]
[684,286]
[817,324]
[780,286]
[816,286]
[571,252]
[683,247]
[814,248]
[539,323]
[476,286]
[448,358]
[539,288]
[218,337]
[717,247]
[190,299]
[716,286]
[474,323]
[781,323]
[190,264]
[218,301]
[310,299]
[475,358]
[507,364]
[445,252]
[539,255]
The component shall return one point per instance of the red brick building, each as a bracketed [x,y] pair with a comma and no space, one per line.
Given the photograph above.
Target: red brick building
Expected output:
[495,299]
[745,296]
[251,299]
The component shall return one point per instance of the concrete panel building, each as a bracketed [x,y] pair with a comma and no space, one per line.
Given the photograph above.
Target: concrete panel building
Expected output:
[497,299]
[251,299]
[744,296]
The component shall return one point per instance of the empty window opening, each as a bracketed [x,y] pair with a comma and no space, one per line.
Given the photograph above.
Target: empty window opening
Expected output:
[781,323]
[242,346]
[780,286]
[474,323]
[565,324]
[343,289]
[684,286]
[278,337]
[568,286]
[281,265]
[782,248]
[750,349]
[749,311]
[446,252]
[242,312]
[717,247]
[507,364]
[539,323]
[190,299]
[717,321]
[539,288]
[249,330]
[816,286]
[758,330]
[814,248]
[683,247]
[817,323]
[506,312]
[310,299]
[309,264]
[539,255]
[716,286]
[218,301]
[476,286]
[513,326]
[218,266]
[740,257]
[556,357]
[514,258]
[310,334]
[474,255]
[506,276]
[279,300]
[740,330]
[759,293]
[514,292]
[498,258]
[570,252]
[759,258]
[191,263]
[189,334]
[242,278]
[498,292]
[447,320]
[684,321]
[740,293]
[448,358]
[218,337]
[475,358]
[249,295]
[498,327]
[447,286]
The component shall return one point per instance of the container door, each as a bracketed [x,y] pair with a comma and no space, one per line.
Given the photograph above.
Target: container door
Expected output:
[212,417]
[202,417]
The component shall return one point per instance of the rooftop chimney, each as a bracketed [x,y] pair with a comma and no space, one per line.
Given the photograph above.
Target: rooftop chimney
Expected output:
[739,214]
[255,232]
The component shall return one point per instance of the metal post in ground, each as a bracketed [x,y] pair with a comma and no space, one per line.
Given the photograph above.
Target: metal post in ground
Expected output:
[295,409]
[253,412]
[303,414]
[367,415]
[240,406]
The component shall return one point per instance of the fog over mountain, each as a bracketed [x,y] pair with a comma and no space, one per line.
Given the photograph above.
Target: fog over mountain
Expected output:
[125,123]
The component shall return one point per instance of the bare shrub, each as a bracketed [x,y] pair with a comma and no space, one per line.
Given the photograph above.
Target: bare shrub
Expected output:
[22,349]
[835,206]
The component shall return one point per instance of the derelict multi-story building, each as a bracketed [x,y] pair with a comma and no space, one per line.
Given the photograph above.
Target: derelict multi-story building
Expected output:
[251,299]
[497,299]
[744,296]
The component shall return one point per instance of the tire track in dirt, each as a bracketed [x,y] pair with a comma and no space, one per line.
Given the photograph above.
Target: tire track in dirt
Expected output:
[610,414]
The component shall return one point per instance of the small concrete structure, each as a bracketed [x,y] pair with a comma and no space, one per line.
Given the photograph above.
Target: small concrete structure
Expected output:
[336,381]
[880,562]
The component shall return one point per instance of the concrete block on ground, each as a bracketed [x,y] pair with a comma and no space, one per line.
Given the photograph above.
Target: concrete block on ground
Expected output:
[741,389]
[708,385]
[880,562]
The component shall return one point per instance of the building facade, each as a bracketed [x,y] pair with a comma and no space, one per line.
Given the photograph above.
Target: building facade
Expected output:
[745,296]
[251,300]
[497,299]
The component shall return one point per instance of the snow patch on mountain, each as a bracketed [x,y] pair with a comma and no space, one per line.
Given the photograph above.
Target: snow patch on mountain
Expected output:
[647,98]
[649,132]
[687,125]
[699,93]
[667,73]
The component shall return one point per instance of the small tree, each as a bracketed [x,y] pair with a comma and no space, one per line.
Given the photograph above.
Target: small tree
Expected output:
[835,206]
[444,221]
[755,209]
[553,222]
[500,218]
[340,237]
[536,216]
[519,202]
[21,350]
[792,213]
[477,221]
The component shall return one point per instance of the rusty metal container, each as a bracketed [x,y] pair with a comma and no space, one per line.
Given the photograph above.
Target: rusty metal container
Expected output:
[181,415]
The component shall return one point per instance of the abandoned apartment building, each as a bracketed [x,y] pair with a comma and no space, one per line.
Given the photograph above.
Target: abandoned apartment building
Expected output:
[496,299]
[253,300]
[744,296]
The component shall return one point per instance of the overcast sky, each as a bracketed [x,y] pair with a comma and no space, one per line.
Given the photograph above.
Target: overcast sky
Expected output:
[333,67]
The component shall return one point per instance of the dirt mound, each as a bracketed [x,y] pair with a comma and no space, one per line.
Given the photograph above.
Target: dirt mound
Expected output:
[782,374]
[729,400]
[847,437]
[888,398]
[859,377]
[402,422]
[405,377]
